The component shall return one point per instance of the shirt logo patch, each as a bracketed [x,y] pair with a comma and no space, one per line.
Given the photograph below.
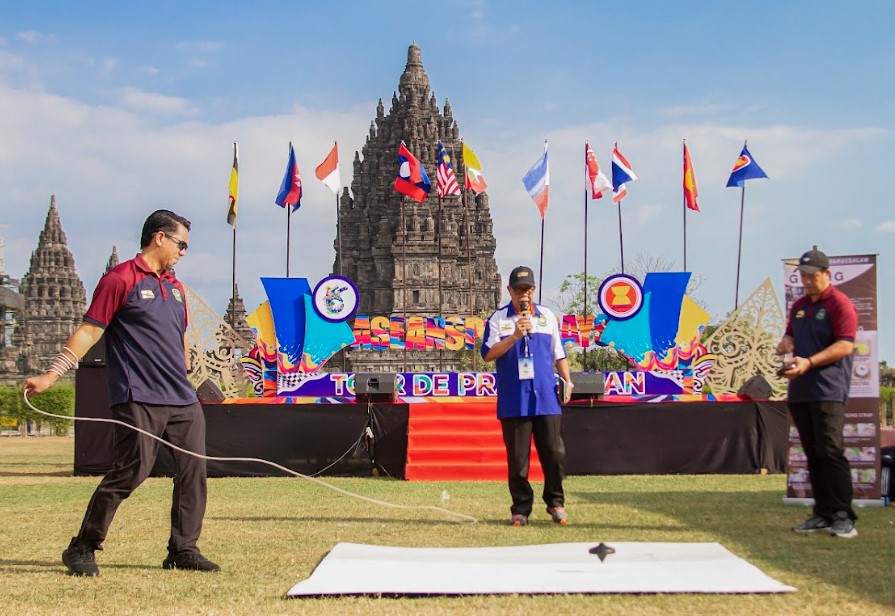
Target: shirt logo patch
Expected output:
[176,293]
[821,314]
[542,320]
[147,294]
[800,314]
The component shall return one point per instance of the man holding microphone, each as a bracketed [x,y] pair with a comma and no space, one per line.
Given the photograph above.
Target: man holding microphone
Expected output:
[523,339]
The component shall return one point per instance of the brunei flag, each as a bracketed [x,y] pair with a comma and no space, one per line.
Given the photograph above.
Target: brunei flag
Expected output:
[234,188]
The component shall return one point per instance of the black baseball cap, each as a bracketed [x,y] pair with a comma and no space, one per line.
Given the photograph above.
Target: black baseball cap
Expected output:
[522,276]
[813,261]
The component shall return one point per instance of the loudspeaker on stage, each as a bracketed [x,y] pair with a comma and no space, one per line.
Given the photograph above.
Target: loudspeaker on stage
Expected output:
[756,388]
[209,393]
[376,387]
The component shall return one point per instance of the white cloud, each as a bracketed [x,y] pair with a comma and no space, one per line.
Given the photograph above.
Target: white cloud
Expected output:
[137,100]
[886,227]
[10,62]
[35,37]
[149,70]
[110,167]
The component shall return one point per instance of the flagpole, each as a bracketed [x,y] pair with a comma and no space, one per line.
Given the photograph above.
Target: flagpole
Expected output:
[541,264]
[288,221]
[339,232]
[233,295]
[469,268]
[621,241]
[583,347]
[736,301]
[684,191]
[440,297]
[404,279]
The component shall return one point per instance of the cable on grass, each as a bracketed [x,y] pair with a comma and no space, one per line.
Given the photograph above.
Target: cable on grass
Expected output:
[462,517]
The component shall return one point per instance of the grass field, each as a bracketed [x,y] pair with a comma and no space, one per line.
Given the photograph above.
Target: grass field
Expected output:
[269,533]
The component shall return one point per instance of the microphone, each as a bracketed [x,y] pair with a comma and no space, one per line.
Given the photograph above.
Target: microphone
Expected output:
[524,308]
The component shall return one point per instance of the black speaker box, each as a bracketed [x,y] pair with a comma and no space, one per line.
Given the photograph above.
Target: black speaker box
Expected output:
[756,388]
[376,387]
[588,384]
[209,393]
[585,386]
[96,356]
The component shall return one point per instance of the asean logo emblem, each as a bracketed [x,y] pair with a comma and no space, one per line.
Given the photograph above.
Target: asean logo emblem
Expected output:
[620,297]
[335,299]
[741,162]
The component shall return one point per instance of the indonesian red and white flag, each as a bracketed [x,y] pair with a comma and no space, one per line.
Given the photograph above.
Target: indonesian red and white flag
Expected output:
[328,171]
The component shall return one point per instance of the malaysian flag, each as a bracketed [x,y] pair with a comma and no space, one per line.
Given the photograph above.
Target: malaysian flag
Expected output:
[445,180]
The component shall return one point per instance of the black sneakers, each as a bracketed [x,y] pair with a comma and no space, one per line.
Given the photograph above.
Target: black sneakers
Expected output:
[191,561]
[79,559]
[812,525]
[843,526]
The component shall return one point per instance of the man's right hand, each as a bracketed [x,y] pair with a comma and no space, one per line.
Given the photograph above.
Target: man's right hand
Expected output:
[37,384]
[523,325]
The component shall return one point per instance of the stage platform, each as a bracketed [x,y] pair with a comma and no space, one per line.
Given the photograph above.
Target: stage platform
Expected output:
[605,438]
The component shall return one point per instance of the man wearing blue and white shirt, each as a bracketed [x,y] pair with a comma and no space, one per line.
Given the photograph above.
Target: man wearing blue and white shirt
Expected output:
[523,339]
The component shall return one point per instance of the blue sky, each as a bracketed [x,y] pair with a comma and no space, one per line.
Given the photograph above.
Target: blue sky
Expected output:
[118,108]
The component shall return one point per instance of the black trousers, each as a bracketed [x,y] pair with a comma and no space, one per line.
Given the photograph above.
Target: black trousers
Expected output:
[820,431]
[517,435]
[134,457]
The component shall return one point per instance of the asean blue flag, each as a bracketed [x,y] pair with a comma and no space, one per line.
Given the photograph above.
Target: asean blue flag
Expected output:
[290,189]
[745,168]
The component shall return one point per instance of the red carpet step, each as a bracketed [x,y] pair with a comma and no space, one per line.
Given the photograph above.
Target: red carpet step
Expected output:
[458,441]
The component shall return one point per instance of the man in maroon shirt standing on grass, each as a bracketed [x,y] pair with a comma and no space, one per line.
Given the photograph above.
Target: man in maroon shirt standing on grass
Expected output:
[141,308]
[821,334]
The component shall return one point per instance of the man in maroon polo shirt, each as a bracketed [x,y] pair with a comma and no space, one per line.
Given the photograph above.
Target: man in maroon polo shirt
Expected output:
[820,334]
[141,308]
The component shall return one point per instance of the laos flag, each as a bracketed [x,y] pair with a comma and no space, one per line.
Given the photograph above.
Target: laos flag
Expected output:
[412,179]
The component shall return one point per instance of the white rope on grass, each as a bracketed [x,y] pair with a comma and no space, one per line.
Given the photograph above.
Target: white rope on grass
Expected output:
[452,514]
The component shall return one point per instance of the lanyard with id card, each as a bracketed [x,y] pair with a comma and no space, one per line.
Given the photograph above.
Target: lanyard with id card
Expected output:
[526,362]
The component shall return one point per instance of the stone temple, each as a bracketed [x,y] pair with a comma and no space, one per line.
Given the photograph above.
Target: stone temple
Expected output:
[53,303]
[437,263]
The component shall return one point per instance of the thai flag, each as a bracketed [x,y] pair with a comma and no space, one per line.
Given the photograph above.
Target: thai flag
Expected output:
[537,182]
[445,180]
[290,189]
[621,175]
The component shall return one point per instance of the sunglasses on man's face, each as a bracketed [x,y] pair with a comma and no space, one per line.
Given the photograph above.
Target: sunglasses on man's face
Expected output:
[181,245]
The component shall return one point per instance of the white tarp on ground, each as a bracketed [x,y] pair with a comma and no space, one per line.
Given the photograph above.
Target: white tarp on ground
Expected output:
[356,569]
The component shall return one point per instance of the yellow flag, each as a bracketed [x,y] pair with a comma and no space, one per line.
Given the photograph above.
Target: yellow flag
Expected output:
[234,188]
[474,178]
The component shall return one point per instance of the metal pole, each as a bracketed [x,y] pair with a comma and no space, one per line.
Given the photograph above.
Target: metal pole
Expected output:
[736,301]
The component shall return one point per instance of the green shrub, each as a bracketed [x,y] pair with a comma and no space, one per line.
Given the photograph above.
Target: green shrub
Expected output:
[58,400]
